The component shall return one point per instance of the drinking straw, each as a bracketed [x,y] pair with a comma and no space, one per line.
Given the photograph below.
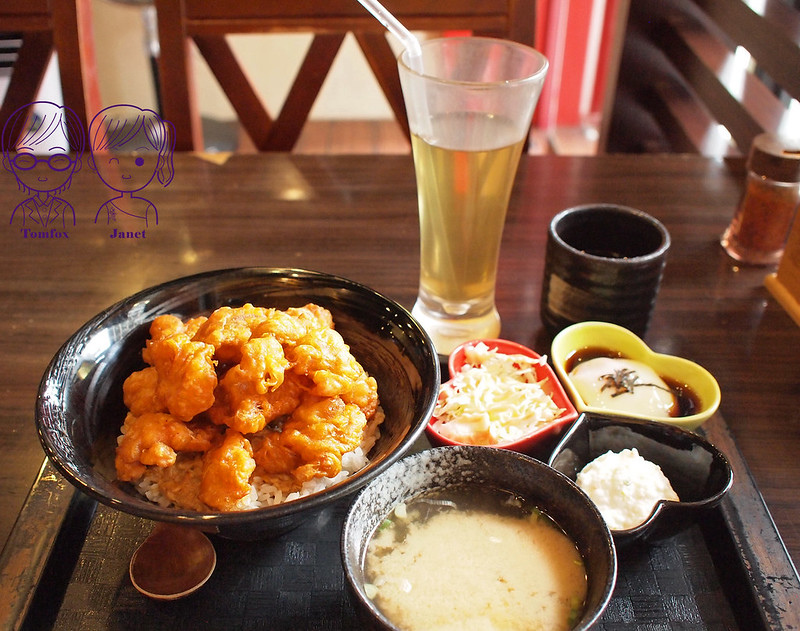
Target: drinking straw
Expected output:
[393,25]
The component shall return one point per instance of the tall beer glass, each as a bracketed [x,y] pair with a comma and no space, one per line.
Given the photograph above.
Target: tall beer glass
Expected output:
[469,105]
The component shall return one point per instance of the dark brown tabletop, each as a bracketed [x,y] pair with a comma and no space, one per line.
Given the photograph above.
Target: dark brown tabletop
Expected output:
[357,217]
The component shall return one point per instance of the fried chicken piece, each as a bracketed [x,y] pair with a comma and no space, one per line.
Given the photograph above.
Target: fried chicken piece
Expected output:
[193,325]
[292,325]
[153,439]
[324,356]
[313,440]
[228,328]
[226,472]
[313,316]
[140,392]
[275,458]
[364,394]
[320,430]
[240,406]
[164,326]
[326,359]
[172,357]
[281,326]
[186,374]
[263,364]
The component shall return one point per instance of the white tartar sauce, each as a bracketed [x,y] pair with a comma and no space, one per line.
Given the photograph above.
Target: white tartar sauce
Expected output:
[625,487]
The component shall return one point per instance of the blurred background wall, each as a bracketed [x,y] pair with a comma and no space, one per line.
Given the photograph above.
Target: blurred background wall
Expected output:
[577,36]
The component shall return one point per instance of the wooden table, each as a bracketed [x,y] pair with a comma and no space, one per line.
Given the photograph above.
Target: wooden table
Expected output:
[356,217]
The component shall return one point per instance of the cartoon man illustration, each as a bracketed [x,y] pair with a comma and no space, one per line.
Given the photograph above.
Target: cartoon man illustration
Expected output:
[36,143]
[130,147]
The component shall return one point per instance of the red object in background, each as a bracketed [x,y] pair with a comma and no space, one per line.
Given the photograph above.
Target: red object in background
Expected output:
[578,38]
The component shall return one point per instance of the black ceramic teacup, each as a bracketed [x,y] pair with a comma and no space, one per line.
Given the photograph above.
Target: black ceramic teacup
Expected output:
[603,262]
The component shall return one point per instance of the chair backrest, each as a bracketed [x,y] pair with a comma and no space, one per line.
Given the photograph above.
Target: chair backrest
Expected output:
[39,28]
[705,76]
[207,22]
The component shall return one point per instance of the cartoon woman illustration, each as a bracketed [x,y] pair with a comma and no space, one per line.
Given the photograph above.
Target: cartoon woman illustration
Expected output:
[130,147]
[36,142]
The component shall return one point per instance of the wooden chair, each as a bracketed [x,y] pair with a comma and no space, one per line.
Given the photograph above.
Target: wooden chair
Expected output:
[206,23]
[683,85]
[45,27]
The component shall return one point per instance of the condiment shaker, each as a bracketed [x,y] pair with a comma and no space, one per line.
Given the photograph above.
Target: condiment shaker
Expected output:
[757,233]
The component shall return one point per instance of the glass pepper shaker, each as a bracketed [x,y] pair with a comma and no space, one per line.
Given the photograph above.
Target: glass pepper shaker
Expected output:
[757,233]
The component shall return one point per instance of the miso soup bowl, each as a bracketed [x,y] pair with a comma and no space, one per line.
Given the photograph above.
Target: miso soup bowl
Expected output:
[443,467]
[621,342]
[698,472]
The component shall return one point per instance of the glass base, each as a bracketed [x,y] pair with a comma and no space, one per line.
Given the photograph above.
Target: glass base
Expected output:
[753,257]
[447,333]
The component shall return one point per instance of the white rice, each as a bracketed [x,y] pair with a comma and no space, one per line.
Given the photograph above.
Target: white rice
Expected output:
[263,493]
[148,486]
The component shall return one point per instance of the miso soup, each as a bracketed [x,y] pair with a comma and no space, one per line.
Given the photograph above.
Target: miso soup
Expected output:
[474,558]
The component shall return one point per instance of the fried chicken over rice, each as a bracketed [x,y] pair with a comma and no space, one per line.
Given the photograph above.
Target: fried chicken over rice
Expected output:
[245,393]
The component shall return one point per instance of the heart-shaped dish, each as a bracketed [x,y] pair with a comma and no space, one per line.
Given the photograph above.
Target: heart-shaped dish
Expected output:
[540,441]
[692,379]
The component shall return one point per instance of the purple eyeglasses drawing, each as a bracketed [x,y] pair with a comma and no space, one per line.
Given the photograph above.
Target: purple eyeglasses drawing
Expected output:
[130,147]
[42,144]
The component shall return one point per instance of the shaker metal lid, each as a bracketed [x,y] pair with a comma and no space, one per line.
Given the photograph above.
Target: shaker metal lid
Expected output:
[775,157]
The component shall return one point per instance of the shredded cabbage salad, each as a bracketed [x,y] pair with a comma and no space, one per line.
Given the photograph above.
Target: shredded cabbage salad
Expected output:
[495,398]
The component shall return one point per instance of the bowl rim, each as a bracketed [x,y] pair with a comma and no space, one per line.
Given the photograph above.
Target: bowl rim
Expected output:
[149,510]
[585,422]
[561,347]
[456,361]
[541,467]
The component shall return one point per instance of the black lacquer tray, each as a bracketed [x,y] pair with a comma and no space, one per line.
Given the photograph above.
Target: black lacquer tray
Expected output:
[728,571]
